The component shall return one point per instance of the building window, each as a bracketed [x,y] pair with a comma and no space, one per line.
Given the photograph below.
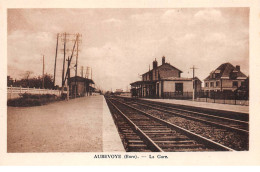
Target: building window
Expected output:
[235,84]
[206,84]
[179,87]
[217,83]
[211,84]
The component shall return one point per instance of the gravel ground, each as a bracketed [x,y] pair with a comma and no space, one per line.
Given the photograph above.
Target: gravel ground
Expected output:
[74,126]
[230,139]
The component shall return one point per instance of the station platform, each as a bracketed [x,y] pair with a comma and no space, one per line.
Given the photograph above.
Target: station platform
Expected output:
[216,106]
[78,125]
[111,139]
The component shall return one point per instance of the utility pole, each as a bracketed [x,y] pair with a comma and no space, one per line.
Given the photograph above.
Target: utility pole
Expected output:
[76,72]
[72,54]
[82,71]
[63,82]
[43,72]
[68,79]
[55,60]
[193,81]
[91,72]
[86,72]
[66,38]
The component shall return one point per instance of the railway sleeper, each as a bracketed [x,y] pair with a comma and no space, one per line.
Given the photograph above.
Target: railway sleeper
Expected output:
[177,142]
[135,142]
[169,138]
[158,131]
[188,150]
[137,146]
[192,146]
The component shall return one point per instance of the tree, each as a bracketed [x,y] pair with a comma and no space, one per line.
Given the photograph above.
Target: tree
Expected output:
[48,81]
[26,76]
[35,81]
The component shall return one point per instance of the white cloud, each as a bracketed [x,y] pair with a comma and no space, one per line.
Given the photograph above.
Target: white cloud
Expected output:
[112,20]
[124,42]
[141,17]
[169,16]
[24,51]
[215,37]
[189,36]
[209,15]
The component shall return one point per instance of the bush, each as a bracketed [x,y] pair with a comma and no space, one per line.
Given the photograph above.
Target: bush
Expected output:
[32,100]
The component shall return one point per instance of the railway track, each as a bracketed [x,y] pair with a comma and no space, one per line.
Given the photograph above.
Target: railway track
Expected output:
[219,129]
[141,132]
[229,124]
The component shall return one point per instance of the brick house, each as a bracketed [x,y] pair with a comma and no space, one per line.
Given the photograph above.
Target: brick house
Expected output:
[225,78]
[164,80]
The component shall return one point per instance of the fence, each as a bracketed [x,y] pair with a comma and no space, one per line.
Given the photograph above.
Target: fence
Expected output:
[13,92]
[228,97]
[224,97]
[178,95]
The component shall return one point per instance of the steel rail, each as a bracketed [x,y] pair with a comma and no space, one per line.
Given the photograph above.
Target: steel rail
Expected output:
[198,113]
[149,141]
[200,120]
[199,138]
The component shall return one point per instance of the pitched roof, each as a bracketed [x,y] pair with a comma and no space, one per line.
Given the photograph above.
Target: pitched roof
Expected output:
[180,79]
[142,82]
[158,67]
[225,70]
[81,79]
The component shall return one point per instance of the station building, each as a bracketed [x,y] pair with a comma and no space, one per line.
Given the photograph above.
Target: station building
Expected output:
[83,86]
[165,81]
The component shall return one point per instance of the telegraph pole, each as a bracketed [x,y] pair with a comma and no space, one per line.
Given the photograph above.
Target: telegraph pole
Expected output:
[91,73]
[43,72]
[87,72]
[64,62]
[68,79]
[66,38]
[76,72]
[55,60]
[193,81]
[82,71]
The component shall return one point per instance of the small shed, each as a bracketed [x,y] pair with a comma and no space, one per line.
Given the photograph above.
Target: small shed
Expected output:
[80,86]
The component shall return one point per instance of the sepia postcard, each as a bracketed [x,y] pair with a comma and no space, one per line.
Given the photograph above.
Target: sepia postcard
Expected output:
[130,82]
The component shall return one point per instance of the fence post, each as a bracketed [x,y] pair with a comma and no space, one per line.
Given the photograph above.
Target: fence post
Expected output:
[11,92]
[235,98]
[214,96]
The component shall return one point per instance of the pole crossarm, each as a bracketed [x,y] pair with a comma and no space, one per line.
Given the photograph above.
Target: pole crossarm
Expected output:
[70,59]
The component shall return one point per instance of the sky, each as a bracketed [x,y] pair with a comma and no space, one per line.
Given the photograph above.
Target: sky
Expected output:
[120,44]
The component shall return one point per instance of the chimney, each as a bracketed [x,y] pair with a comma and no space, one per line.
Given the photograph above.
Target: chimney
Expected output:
[238,67]
[155,64]
[163,60]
